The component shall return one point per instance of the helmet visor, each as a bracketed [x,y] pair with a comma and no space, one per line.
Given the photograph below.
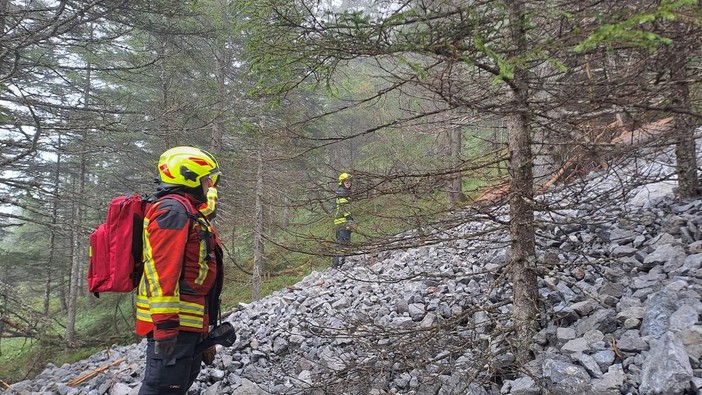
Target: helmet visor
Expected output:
[214,177]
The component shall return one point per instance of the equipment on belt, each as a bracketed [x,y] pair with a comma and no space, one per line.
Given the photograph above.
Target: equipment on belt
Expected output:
[223,334]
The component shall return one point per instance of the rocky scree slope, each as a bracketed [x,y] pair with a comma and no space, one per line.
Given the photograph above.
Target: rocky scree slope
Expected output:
[620,288]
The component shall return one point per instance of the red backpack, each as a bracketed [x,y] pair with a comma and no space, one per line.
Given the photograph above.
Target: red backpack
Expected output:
[116,245]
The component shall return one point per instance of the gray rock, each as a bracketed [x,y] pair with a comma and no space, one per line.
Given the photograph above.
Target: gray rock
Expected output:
[610,382]
[521,386]
[696,385]
[658,309]
[631,341]
[562,377]
[248,387]
[636,312]
[632,323]
[667,369]
[578,345]
[589,363]
[402,306]
[604,359]
[623,251]
[691,339]
[565,334]
[416,311]
[602,320]
[652,194]
[213,389]
[584,308]
[683,318]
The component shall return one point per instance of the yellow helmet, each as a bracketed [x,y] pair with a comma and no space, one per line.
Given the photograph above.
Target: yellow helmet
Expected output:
[343,177]
[186,166]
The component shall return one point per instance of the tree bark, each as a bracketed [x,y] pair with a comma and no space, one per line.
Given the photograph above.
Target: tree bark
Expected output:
[76,254]
[218,124]
[259,264]
[286,211]
[52,237]
[522,263]
[3,11]
[77,245]
[685,149]
[455,189]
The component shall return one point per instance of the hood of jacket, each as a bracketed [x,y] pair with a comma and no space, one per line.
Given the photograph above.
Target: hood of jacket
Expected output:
[167,189]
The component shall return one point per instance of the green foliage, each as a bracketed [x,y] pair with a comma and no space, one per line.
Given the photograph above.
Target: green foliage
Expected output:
[18,357]
[505,67]
[610,35]
[635,30]
[22,359]
[100,323]
[417,67]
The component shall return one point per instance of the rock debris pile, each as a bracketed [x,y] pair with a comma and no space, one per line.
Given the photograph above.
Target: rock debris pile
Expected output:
[620,289]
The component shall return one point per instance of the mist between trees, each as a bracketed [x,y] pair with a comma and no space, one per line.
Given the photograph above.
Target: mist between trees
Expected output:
[433,106]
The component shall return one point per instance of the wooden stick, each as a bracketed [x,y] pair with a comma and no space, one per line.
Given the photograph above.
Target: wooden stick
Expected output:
[94,373]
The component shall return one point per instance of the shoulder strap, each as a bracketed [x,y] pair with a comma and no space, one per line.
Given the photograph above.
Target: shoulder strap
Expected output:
[182,200]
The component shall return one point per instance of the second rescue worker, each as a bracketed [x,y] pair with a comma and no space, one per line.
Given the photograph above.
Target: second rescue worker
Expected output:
[343,221]
[178,296]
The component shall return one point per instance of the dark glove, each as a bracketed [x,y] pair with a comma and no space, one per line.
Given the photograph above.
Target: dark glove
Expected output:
[209,355]
[165,346]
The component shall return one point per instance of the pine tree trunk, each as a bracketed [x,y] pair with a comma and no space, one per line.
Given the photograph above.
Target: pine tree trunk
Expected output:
[522,263]
[218,124]
[685,149]
[4,6]
[76,255]
[258,265]
[455,188]
[52,237]
[286,211]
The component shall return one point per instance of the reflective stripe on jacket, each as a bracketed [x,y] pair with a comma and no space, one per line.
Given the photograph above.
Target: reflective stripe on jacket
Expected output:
[179,270]
[343,206]
[208,209]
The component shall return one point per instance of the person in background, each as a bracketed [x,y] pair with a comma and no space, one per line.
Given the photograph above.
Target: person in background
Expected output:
[343,221]
[178,295]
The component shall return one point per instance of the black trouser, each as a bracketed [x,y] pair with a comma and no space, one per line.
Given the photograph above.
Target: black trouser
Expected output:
[343,238]
[175,373]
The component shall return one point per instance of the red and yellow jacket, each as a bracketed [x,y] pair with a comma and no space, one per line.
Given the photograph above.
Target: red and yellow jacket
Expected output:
[180,286]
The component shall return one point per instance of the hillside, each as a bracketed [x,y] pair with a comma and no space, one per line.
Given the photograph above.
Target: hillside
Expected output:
[621,287]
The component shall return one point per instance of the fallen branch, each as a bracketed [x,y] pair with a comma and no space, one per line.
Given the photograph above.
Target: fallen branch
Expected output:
[19,328]
[94,373]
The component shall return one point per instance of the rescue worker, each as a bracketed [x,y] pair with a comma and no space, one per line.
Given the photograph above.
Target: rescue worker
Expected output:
[343,220]
[178,295]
